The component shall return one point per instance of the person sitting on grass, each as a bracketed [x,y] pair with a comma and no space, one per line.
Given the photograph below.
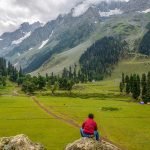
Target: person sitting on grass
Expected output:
[89,128]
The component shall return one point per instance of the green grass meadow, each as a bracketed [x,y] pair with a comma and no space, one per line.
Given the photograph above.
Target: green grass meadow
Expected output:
[128,126]
[122,121]
[20,115]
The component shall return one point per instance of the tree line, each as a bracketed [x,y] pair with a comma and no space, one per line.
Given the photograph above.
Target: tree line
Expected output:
[136,85]
[30,84]
[97,62]
[7,70]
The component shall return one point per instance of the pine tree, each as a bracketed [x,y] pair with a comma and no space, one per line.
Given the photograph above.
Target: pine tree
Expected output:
[65,73]
[131,83]
[121,87]
[127,87]
[147,96]
[127,81]
[70,72]
[144,86]
[123,81]
[143,80]
[136,87]
[20,72]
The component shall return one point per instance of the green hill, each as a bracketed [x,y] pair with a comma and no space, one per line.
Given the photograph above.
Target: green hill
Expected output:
[136,63]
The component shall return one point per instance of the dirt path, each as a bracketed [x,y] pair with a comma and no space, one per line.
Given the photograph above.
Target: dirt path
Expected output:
[70,121]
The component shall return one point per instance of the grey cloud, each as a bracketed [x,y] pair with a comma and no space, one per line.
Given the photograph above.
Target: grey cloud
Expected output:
[15,12]
[81,8]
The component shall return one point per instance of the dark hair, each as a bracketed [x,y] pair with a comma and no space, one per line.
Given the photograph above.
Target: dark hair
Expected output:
[91,116]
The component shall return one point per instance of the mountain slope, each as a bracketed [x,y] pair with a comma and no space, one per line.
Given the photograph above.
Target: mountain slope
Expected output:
[60,35]
[124,27]
[63,59]
[124,20]
[10,40]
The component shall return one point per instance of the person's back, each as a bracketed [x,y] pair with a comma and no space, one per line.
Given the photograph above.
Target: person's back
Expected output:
[89,128]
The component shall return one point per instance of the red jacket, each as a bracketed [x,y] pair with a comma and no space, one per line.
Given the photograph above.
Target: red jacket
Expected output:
[89,126]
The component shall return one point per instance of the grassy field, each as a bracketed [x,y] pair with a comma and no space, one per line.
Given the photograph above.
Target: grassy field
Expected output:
[138,64]
[120,120]
[127,124]
[21,115]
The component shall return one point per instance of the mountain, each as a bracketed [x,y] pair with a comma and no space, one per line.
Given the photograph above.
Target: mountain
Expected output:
[54,37]
[55,44]
[137,6]
[9,40]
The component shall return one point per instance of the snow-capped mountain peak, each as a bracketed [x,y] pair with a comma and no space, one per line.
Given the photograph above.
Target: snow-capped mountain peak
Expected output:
[83,7]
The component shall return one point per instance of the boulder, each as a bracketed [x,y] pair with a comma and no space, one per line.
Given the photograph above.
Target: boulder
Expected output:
[91,144]
[19,142]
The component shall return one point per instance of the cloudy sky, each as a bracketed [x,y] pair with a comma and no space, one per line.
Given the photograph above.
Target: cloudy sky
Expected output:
[15,12]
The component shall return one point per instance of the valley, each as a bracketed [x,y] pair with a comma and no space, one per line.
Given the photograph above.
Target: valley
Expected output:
[122,121]
[92,58]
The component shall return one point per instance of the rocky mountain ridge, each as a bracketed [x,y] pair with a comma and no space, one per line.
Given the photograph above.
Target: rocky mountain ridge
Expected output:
[116,18]
[10,40]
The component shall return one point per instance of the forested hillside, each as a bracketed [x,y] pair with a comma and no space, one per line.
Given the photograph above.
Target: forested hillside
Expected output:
[144,46]
[100,58]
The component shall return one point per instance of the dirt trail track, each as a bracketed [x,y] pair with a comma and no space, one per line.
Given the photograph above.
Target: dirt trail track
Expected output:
[68,121]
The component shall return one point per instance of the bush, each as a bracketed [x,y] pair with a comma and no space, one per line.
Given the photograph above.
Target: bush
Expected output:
[109,109]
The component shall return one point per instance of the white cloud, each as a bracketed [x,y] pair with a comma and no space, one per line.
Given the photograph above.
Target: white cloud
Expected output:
[15,12]
[80,9]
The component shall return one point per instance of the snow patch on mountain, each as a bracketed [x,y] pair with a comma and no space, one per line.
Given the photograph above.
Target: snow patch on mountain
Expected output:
[146,11]
[46,41]
[51,34]
[1,39]
[110,13]
[30,49]
[16,42]
[43,44]
[18,54]
[83,7]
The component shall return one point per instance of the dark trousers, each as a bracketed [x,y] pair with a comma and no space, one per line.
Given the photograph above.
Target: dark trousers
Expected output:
[96,134]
